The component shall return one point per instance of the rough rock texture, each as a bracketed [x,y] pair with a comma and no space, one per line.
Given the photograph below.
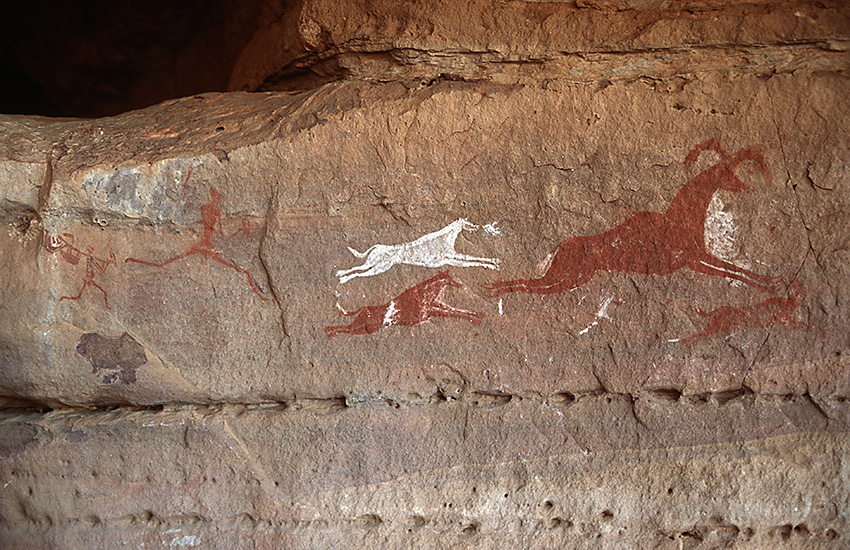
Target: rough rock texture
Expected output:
[604,472]
[301,178]
[621,318]
[529,41]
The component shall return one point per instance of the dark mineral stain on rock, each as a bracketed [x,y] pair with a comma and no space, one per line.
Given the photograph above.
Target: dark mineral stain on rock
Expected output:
[15,438]
[119,357]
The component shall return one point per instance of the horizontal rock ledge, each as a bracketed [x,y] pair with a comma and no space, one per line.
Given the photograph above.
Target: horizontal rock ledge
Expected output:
[521,471]
[516,42]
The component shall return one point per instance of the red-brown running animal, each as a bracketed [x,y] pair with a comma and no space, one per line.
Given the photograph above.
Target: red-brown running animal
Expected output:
[652,243]
[411,308]
[765,314]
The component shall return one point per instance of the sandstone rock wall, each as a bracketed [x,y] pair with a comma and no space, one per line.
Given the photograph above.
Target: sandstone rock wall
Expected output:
[513,275]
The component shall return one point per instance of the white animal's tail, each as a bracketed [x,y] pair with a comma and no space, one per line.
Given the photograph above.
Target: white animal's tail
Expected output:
[361,254]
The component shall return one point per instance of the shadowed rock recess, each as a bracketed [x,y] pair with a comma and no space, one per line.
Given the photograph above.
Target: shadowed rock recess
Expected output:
[466,274]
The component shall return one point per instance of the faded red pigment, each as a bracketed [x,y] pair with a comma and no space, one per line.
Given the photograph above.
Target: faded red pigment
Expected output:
[411,308]
[64,244]
[652,243]
[778,310]
[211,219]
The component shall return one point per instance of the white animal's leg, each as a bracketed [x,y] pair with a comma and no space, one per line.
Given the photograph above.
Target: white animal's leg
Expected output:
[343,272]
[463,260]
[373,270]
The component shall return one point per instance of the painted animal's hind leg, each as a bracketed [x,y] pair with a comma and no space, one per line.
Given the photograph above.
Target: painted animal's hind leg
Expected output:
[797,325]
[372,270]
[335,330]
[445,310]
[710,265]
[347,273]
[359,326]
[463,260]
[498,288]
[704,335]
[547,284]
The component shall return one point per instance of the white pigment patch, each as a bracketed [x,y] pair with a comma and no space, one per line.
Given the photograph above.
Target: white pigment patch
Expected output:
[544,264]
[187,541]
[720,234]
[601,314]
[603,309]
[389,316]
[720,231]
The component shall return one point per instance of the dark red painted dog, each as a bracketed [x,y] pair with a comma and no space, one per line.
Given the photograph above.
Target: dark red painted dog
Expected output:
[411,308]
[652,243]
[778,310]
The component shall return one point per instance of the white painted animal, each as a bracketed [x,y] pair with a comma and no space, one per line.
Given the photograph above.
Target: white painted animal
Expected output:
[432,250]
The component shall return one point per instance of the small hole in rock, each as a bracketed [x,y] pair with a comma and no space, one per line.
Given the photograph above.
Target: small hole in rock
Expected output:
[801,529]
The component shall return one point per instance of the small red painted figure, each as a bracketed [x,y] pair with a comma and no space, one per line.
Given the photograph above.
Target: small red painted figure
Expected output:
[64,244]
[765,314]
[211,219]
[652,243]
[411,308]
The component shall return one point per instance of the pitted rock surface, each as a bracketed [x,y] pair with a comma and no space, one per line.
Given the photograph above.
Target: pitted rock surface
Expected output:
[532,275]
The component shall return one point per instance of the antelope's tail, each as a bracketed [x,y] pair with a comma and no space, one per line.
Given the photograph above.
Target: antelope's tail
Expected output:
[360,254]
[348,313]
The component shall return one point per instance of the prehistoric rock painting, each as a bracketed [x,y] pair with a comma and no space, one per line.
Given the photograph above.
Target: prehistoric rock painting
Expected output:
[652,243]
[765,314]
[119,357]
[211,219]
[411,308]
[64,245]
[601,314]
[435,249]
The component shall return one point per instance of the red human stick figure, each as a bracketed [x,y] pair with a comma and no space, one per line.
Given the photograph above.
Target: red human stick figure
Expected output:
[652,243]
[64,244]
[765,314]
[411,308]
[211,219]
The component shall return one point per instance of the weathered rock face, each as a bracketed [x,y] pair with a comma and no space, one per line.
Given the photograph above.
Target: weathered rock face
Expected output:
[536,309]
[603,249]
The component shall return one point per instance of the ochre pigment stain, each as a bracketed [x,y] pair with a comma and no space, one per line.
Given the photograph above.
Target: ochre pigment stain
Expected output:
[118,357]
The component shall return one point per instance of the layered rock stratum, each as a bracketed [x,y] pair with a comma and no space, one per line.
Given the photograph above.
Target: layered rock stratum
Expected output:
[483,275]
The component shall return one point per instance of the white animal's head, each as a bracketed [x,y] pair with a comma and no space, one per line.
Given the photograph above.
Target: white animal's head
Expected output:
[467,225]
